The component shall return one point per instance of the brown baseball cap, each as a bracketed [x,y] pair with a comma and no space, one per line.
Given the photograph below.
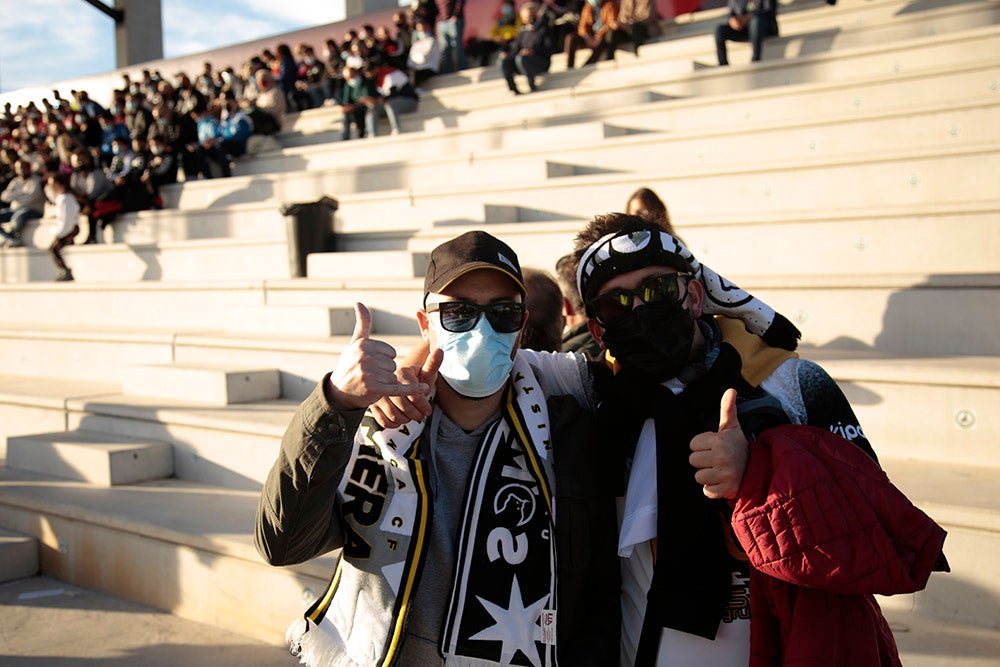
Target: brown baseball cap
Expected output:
[470,251]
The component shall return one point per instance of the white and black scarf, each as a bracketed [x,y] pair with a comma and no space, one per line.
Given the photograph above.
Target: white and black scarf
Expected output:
[503,598]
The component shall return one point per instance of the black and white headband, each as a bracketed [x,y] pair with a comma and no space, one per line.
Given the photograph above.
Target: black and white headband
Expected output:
[625,251]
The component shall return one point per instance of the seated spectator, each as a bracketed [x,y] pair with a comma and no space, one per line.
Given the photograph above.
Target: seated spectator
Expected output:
[178,132]
[267,108]
[404,36]
[204,83]
[25,198]
[424,60]
[333,65]
[127,193]
[236,129]
[598,30]
[530,53]
[639,20]
[744,25]
[86,105]
[210,137]
[189,98]
[8,158]
[543,300]
[286,73]
[395,95]
[311,84]
[64,225]
[110,130]
[389,47]
[357,102]
[90,185]
[161,169]
[138,119]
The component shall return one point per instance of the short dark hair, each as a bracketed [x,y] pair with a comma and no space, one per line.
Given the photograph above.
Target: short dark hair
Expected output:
[566,276]
[543,299]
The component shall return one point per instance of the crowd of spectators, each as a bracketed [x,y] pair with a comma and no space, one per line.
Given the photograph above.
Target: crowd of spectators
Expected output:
[118,153]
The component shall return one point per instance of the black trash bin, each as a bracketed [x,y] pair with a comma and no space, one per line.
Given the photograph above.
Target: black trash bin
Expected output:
[309,227]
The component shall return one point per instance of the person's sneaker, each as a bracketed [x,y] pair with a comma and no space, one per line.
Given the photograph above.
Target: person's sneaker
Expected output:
[14,243]
[64,276]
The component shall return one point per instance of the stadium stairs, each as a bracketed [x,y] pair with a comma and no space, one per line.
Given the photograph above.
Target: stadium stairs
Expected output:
[849,179]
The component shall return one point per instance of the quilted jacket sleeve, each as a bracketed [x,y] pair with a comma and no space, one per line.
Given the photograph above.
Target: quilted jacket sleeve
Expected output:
[815,511]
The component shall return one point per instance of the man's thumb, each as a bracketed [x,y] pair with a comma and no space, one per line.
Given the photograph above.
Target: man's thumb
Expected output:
[362,322]
[727,411]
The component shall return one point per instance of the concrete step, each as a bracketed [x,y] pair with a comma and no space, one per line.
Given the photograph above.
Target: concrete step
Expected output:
[296,320]
[50,621]
[98,458]
[895,315]
[939,175]
[943,409]
[951,124]
[202,383]
[339,179]
[859,241]
[215,259]
[817,99]
[965,501]
[540,153]
[692,71]
[391,164]
[205,566]
[18,555]
[32,404]
[367,264]
[931,642]
[100,354]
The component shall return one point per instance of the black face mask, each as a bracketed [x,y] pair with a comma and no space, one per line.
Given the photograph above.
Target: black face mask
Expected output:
[653,341]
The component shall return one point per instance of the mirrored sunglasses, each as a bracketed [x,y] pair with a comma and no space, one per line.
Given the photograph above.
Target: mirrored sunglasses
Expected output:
[617,303]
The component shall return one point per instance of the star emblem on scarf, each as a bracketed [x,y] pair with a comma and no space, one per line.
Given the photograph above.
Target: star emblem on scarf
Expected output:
[515,626]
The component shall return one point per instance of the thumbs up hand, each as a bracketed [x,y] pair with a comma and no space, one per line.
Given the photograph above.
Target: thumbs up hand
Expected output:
[721,457]
[366,370]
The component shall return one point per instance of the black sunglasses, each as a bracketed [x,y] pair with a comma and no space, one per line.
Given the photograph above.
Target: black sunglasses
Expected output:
[617,303]
[460,316]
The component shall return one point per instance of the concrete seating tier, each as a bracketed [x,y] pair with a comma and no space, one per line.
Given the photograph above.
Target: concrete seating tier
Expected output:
[179,546]
[849,180]
[607,87]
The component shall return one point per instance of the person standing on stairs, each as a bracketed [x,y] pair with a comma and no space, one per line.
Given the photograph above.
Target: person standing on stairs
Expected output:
[65,226]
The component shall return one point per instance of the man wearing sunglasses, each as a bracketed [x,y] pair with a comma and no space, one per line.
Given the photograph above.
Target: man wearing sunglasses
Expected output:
[451,552]
[689,394]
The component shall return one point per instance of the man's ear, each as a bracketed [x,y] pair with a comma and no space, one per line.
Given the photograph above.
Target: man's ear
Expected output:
[567,308]
[596,331]
[696,296]
[425,325]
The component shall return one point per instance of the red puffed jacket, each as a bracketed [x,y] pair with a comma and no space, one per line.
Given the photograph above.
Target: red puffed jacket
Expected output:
[824,530]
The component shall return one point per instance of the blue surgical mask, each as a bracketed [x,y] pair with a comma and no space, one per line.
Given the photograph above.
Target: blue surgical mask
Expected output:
[477,362]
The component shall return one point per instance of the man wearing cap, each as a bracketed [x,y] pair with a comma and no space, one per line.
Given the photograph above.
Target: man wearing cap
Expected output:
[451,551]
[715,533]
